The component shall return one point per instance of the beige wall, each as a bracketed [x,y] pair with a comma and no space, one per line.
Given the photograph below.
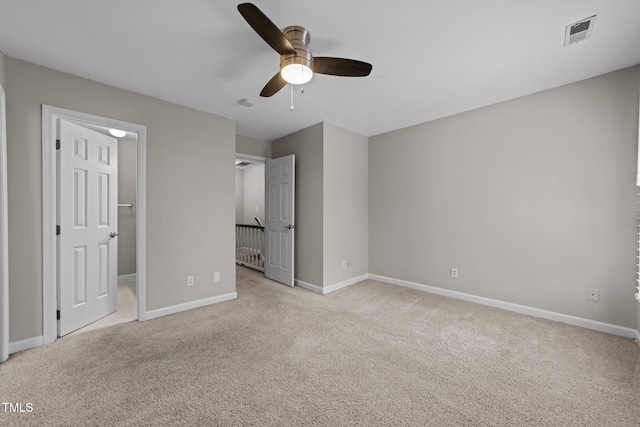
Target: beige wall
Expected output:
[190,185]
[253,146]
[127,169]
[533,200]
[345,190]
[307,146]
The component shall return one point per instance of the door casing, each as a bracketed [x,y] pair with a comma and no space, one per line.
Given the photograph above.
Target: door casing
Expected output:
[50,117]
[4,239]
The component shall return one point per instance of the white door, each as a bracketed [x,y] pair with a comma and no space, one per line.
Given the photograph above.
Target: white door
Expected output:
[279,221]
[87,217]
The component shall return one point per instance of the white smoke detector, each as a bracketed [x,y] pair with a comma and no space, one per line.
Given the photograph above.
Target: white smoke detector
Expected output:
[579,31]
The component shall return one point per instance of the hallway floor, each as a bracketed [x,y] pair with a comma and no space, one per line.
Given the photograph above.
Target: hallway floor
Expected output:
[126,311]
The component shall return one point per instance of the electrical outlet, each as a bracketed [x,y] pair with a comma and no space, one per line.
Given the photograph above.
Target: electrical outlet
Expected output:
[344,264]
[190,281]
[454,272]
[216,277]
[593,294]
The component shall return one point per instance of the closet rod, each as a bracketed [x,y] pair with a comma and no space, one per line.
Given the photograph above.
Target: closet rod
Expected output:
[126,205]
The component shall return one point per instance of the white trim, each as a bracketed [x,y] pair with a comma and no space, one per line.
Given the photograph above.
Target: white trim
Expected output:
[189,305]
[636,338]
[638,163]
[50,116]
[27,344]
[344,284]
[127,278]
[332,288]
[308,286]
[251,157]
[4,239]
[536,312]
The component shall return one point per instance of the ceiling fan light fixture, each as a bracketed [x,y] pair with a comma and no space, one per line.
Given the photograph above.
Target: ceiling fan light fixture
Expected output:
[296,74]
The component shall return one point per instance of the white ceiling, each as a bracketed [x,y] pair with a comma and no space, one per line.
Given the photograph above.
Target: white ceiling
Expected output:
[430,58]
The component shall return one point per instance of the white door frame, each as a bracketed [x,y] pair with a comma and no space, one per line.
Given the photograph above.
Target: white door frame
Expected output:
[50,117]
[251,158]
[4,231]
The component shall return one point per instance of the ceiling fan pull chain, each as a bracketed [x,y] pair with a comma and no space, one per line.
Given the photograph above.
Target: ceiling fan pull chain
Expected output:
[291,97]
[302,90]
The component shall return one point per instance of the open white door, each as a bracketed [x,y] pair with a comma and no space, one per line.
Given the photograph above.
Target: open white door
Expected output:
[87,216]
[279,221]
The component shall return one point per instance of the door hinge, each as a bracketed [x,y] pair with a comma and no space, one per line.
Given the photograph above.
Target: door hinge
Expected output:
[57,230]
[57,144]
[57,314]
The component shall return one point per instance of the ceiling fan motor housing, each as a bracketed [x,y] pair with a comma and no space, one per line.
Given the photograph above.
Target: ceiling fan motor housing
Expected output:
[299,38]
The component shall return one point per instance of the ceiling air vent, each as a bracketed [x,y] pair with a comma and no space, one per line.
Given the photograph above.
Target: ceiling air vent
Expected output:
[579,31]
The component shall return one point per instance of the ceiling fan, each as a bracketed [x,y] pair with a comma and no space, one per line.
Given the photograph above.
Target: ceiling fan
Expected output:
[297,63]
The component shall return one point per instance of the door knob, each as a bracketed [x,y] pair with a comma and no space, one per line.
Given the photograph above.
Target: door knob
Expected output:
[288,227]
[113,234]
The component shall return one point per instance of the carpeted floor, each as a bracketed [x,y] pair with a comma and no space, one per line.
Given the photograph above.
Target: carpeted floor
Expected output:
[369,354]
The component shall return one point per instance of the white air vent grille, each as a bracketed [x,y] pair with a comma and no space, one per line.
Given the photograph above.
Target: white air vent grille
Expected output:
[579,31]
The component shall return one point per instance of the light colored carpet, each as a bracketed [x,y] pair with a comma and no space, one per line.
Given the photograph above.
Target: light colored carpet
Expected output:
[369,354]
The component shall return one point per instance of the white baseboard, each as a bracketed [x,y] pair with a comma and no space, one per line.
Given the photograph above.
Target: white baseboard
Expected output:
[344,284]
[127,278]
[27,344]
[308,286]
[188,306]
[536,312]
[331,288]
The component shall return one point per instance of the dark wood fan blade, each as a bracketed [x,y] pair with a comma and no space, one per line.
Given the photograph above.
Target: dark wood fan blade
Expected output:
[275,84]
[266,28]
[340,66]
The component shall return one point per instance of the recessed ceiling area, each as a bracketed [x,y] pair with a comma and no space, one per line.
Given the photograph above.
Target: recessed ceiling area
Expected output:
[430,58]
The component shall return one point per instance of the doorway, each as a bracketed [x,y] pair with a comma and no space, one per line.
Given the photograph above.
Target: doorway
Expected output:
[125,204]
[250,203]
[51,119]
[266,245]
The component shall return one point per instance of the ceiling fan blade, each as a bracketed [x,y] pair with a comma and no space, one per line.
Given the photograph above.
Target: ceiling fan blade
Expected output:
[266,28]
[340,66]
[275,84]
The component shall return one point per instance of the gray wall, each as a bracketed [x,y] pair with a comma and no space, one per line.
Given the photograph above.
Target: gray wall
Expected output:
[331,202]
[253,146]
[127,169]
[254,194]
[239,196]
[345,218]
[250,194]
[307,145]
[2,69]
[190,189]
[533,200]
